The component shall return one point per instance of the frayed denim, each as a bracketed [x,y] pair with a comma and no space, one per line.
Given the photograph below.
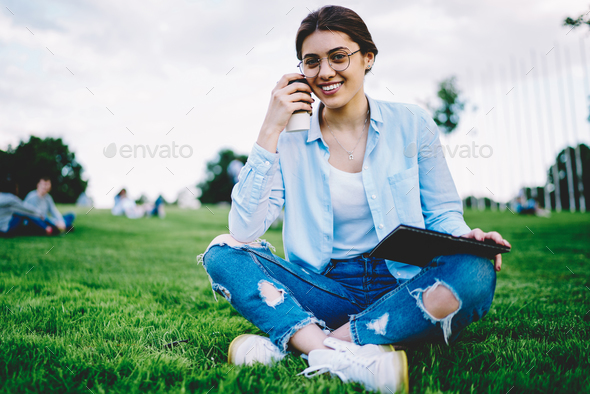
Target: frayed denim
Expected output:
[380,308]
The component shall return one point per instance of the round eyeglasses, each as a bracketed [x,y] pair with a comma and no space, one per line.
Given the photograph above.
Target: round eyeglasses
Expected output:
[339,61]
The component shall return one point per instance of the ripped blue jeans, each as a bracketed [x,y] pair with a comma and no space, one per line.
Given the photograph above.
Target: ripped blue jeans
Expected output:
[360,290]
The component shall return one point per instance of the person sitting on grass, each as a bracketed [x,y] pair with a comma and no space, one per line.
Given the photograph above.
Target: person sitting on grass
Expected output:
[53,222]
[345,184]
[14,213]
[126,206]
[529,206]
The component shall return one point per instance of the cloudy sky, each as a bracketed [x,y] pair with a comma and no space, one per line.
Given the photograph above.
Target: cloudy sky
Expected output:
[199,74]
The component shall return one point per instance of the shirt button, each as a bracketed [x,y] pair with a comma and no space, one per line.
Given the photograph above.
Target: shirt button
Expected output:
[373,196]
[366,167]
[267,162]
[398,274]
[381,226]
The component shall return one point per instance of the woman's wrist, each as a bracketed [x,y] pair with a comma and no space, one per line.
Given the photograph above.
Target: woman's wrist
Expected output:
[268,139]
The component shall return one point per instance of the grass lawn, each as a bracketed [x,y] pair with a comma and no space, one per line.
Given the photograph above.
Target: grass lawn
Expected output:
[89,312]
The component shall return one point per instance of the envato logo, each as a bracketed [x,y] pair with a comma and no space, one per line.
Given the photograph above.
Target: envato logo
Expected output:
[163,151]
[465,151]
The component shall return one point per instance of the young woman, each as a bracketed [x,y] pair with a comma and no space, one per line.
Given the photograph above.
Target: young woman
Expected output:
[345,184]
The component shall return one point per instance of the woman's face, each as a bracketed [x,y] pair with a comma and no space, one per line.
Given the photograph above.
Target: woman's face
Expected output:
[319,44]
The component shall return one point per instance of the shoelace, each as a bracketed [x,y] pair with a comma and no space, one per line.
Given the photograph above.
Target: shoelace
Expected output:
[347,360]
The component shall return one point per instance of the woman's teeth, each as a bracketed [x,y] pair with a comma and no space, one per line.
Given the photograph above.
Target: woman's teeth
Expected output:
[331,87]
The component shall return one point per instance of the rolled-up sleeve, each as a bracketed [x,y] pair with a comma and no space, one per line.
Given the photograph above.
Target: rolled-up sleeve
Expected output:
[258,197]
[441,206]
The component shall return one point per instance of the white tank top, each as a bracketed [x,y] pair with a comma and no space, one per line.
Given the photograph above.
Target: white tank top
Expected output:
[354,231]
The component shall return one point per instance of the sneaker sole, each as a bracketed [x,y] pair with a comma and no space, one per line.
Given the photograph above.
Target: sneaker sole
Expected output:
[404,363]
[406,377]
[234,345]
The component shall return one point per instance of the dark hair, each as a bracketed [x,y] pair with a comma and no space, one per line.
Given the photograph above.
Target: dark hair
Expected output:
[336,18]
[44,177]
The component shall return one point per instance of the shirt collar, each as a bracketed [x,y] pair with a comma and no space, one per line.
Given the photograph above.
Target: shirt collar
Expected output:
[315,133]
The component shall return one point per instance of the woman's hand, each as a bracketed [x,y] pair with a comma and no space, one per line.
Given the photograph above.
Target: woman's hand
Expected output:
[481,236]
[284,101]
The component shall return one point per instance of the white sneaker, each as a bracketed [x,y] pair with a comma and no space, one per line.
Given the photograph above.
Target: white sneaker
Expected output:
[370,365]
[246,349]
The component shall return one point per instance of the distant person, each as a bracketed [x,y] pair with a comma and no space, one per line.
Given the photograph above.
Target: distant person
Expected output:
[529,206]
[15,214]
[158,209]
[83,200]
[126,206]
[42,202]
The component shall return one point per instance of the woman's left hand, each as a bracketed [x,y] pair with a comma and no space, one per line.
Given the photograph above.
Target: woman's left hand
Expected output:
[494,235]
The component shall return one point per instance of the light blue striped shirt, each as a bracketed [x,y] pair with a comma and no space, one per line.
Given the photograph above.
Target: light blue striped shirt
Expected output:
[405,175]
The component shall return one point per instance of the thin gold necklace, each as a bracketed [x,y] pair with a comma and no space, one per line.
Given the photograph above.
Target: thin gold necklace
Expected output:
[350,155]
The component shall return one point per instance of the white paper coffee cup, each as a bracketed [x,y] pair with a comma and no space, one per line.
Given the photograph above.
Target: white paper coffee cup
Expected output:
[299,121]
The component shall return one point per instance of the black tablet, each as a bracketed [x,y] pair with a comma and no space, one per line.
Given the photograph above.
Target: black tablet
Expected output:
[418,246]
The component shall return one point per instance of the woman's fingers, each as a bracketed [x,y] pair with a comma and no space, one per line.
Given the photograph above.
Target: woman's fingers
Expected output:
[301,97]
[285,79]
[298,89]
[498,262]
[493,235]
[286,99]
[478,234]
[498,238]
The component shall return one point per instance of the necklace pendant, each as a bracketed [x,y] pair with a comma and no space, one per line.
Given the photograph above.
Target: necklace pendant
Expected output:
[350,157]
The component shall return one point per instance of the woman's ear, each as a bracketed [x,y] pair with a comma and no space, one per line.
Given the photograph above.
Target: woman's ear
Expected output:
[369,60]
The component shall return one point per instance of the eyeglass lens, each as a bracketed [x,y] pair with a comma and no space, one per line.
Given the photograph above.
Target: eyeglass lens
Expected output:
[338,60]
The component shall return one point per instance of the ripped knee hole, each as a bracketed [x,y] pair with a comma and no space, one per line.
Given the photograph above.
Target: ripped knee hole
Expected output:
[270,294]
[439,301]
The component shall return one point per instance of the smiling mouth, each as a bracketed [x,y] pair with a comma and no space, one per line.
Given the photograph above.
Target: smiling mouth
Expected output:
[331,87]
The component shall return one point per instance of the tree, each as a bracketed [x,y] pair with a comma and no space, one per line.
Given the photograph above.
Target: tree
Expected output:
[218,185]
[577,22]
[447,115]
[43,157]
[560,161]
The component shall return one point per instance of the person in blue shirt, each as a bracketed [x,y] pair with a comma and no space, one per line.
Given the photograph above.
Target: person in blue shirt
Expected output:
[53,221]
[363,167]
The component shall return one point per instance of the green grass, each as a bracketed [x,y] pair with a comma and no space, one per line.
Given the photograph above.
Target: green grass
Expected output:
[90,312]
